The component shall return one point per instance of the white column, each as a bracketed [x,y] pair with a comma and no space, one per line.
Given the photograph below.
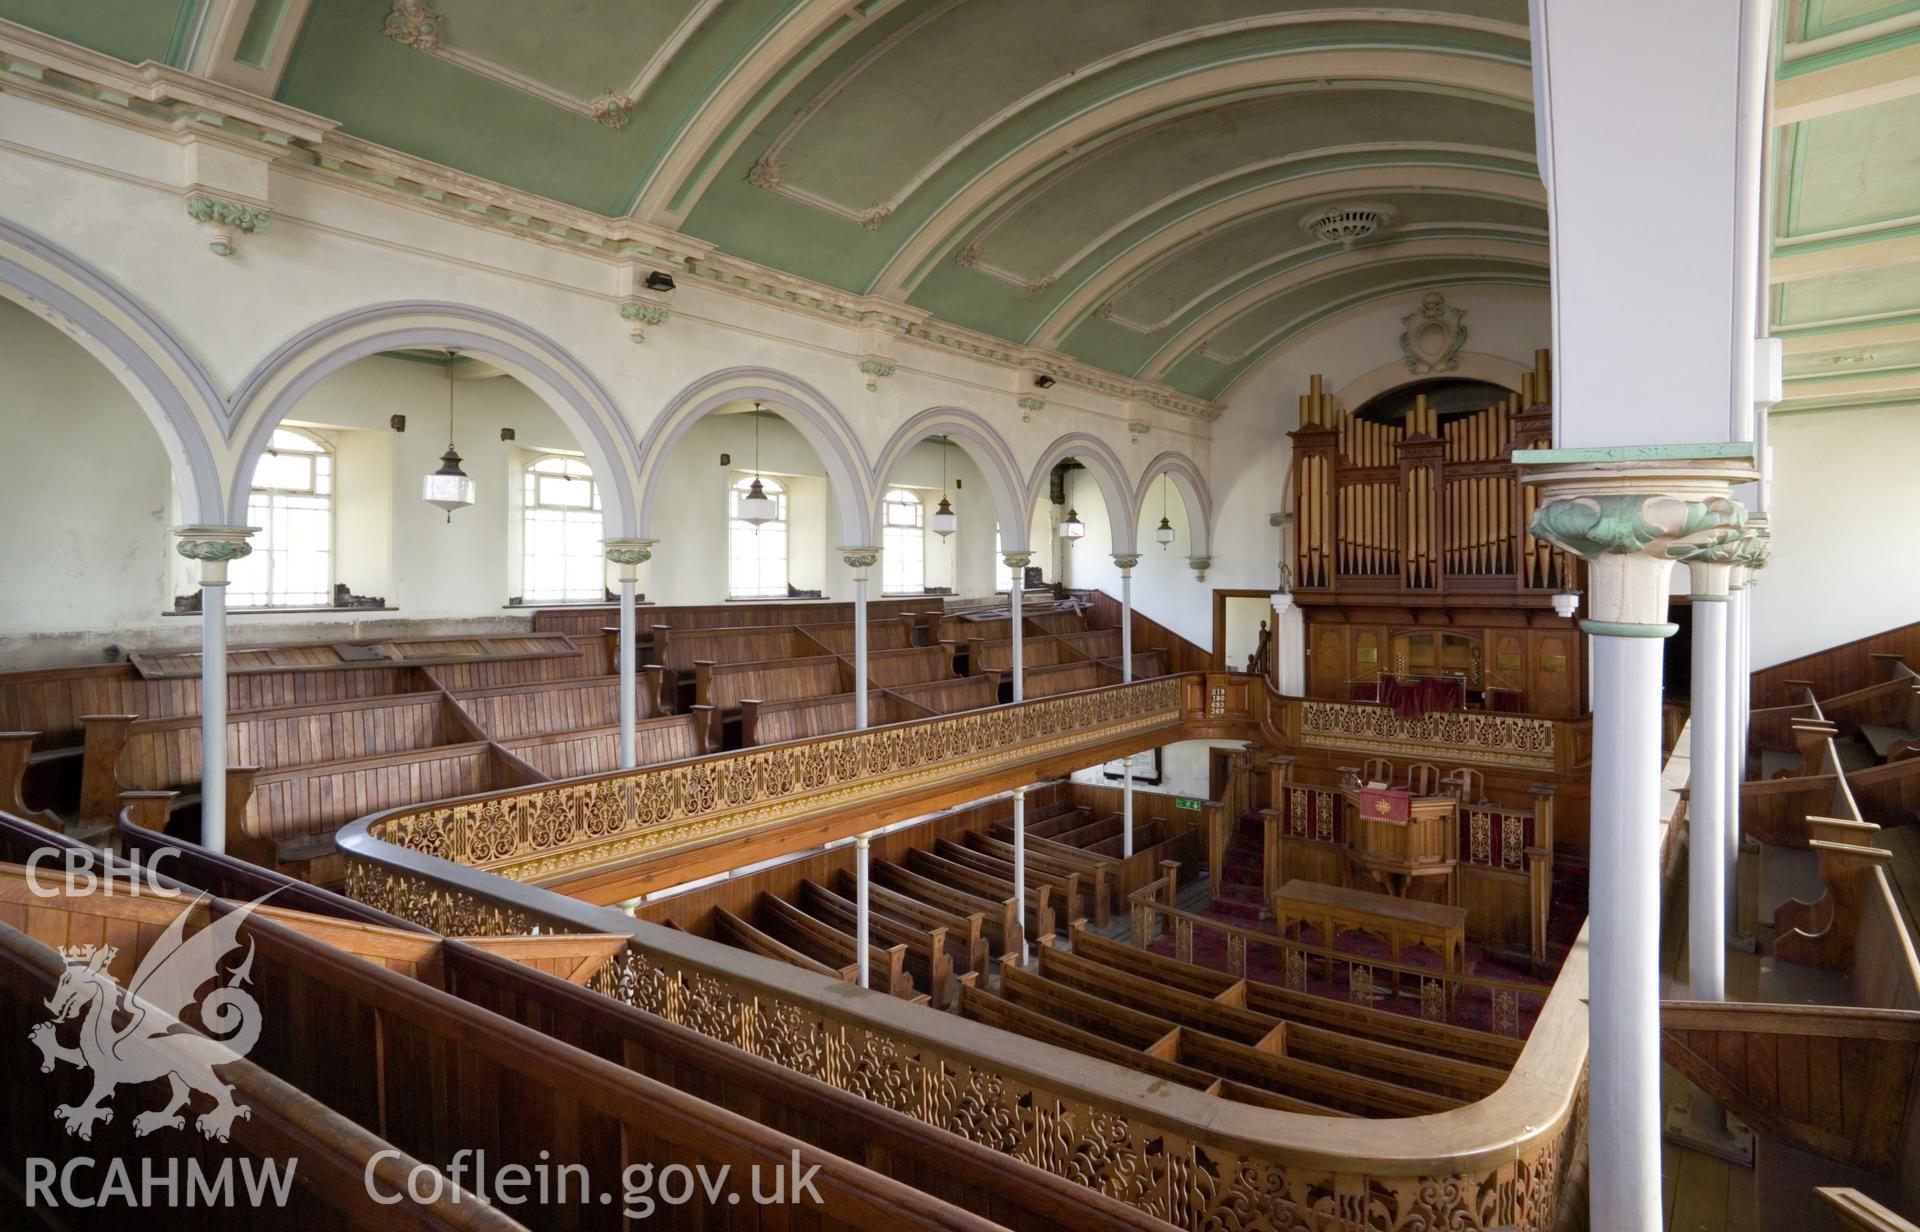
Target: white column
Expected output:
[1707,778]
[1126,564]
[1017,563]
[629,554]
[214,547]
[1020,868]
[1289,650]
[860,560]
[1624,510]
[861,856]
[1735,769]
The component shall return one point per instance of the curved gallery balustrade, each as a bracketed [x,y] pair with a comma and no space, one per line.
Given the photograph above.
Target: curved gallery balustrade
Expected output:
[1183,1155]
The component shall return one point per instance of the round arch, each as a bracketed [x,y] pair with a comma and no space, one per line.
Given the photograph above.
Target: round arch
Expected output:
[278,383]
[1187,480]
[1105,467]
[1393,374]
[169,385]
[982,444]
[812,415]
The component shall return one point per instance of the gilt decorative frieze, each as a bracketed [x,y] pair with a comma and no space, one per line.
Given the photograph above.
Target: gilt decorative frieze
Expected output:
[549,831]
[1471,735]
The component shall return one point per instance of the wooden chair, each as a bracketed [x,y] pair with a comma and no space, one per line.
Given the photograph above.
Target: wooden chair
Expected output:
[1469,786]
[1423,779]
[1377,770]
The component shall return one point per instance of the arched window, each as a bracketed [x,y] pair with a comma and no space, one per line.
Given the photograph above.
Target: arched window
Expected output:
[292,503]
[561,556]
[903,544]
[757,555]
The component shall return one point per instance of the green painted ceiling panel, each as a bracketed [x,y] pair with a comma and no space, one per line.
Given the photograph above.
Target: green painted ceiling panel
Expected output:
[1856,167]
[343,67]
[1844,297]
[1105,188]
[958,66]
[1249,248]
[133,30]
[585,47]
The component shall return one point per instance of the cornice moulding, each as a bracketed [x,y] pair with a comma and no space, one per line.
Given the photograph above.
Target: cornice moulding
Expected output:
[158,98]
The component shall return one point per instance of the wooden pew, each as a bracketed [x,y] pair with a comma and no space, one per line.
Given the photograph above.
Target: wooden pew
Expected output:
[965,933]
[1146,664]
[886,964]
[1076,897]
[736,932]
[1069,678]
[123,753]
[1099,878]
[961,627]
[777,722]
[1303,1007]
[894,633]
[684,649]
[591,661]
[993,657]
[950,696]
[1223,1015]
[16,753]
[353,655]
[725,685]
[981,1006]
[1061,620]
[917,665]
[1060,819]
[513,711]
[1000,917]
[1094,643]
[1224,1058]
[288,818]
[929,959]
[596,750]
[1037,917]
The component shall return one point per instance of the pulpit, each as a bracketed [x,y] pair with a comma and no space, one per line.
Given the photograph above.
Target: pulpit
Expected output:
[1395,838]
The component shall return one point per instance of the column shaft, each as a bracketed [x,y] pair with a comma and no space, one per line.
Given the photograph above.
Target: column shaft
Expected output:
[861,856]
[860,657]
[1020,866]
[1015,596]
[1624,936]
[629,689]
[1735,769]
[213,713]
[1706,805]
[1126,677]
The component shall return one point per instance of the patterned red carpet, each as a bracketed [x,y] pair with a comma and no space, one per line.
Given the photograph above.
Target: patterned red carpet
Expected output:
[1237,901]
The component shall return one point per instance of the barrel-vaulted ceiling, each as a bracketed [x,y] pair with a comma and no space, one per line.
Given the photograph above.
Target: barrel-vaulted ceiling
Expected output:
[1122,180]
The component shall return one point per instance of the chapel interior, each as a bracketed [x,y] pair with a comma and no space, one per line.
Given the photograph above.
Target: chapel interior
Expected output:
[1057,614]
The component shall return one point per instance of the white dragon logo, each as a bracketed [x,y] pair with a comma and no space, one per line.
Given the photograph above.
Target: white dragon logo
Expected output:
[136,1034]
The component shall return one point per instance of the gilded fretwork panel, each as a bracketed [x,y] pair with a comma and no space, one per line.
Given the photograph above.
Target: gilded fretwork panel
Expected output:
[1471,735]
[545,831]
[1153,1167]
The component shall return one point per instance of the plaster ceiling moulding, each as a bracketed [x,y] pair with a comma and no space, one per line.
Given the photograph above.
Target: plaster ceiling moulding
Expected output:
[1348,222]
[415,24]
[931,163]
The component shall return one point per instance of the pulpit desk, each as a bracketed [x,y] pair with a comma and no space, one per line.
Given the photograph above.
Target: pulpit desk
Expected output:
[1397,921]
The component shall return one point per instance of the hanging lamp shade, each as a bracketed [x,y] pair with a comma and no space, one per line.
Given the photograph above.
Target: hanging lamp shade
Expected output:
[1163,534]
[1073,527]
[756,507]
[944,520]
[449,488]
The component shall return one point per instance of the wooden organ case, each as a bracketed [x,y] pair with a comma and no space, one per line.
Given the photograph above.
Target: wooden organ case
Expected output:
[1412,564]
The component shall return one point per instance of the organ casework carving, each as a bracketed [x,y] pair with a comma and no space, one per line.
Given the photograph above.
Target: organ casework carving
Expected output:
[1414,558]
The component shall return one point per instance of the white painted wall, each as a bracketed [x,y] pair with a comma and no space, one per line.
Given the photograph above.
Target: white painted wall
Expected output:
[1184,769]
[1846,531]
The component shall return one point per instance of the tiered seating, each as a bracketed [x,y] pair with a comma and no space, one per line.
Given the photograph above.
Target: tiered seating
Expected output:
[801,719]
[1060,654]
[1201,1028]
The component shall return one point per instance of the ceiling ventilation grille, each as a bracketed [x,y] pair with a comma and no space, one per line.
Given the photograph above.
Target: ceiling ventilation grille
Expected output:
[1344,224]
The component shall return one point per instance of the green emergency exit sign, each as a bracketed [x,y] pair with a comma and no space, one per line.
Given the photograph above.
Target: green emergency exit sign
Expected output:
[1181,802]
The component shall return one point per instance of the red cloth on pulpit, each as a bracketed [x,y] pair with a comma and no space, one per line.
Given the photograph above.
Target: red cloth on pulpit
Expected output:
[1385,803]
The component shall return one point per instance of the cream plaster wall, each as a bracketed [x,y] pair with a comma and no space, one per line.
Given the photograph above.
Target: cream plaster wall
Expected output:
[335,250]
[1846,531]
